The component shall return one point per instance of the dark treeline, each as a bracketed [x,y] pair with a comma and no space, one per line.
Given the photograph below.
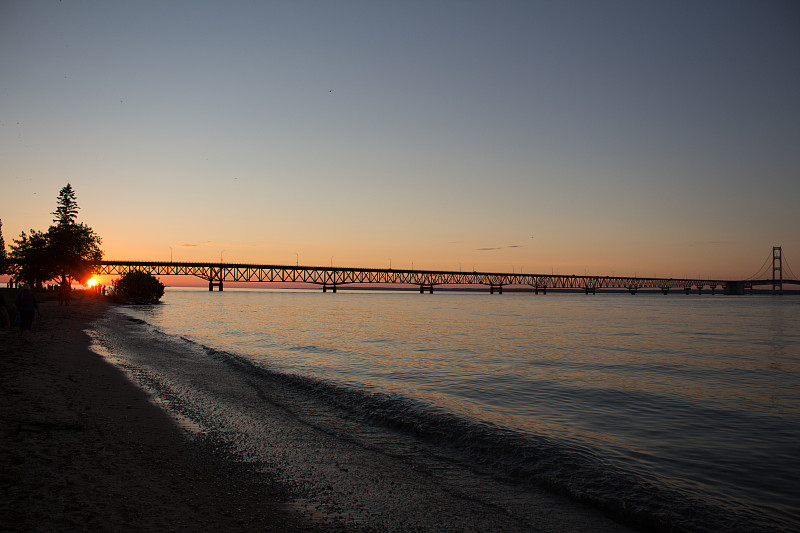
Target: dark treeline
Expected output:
[58,254]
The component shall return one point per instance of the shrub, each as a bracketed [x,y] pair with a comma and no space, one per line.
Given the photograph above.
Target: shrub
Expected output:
[138,287]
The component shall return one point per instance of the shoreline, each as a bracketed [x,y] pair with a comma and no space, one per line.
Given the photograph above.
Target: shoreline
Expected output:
[83,448]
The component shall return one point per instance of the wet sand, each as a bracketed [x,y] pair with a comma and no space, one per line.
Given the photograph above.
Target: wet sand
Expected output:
[81,448]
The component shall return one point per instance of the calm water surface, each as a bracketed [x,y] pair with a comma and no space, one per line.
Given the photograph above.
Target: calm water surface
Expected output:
[610,398]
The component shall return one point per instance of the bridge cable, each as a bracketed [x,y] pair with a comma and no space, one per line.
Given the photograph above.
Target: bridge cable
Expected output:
[763,268]
[786,262]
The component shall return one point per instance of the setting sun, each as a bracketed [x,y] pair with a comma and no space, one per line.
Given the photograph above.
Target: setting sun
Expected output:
[91,283]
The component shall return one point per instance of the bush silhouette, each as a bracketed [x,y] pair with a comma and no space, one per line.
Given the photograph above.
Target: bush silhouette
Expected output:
[139,287]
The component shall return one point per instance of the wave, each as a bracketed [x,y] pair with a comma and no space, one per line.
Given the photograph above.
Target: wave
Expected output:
[556,464]
[522,459]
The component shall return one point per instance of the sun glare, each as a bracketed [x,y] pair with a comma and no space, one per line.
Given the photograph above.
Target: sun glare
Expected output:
[91,283]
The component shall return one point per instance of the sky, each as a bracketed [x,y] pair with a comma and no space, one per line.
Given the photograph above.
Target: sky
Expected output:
[579,137]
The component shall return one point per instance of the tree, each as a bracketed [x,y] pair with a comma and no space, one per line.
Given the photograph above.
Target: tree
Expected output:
[72,243]
[139,287]
[63,251]
[35,264]
[2,250]
[70,247]
[67,207]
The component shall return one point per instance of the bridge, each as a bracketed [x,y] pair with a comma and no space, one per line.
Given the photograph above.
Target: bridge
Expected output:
[330,278]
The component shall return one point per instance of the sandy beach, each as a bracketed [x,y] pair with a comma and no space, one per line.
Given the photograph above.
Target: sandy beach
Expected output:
[84,449]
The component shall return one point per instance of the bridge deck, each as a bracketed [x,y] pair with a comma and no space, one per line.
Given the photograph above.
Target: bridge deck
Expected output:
[216,273]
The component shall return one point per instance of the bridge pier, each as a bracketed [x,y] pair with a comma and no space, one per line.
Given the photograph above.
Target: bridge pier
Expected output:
[664,290]
[687,290]
[325,288]
[699,290]
[499,289]
[588,289]
[733,288]
[423,287]
[633,290]
[712,289]
[212,284]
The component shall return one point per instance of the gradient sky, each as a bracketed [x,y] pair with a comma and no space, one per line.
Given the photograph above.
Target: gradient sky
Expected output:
[613,137]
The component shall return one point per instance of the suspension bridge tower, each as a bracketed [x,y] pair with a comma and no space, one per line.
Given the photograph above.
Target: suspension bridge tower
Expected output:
[777,270]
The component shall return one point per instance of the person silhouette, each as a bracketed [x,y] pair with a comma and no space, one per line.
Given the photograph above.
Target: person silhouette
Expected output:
[64,293]
[5,319]
[27,306]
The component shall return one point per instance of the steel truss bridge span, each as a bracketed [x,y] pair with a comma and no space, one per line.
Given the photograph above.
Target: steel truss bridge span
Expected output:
[216,274]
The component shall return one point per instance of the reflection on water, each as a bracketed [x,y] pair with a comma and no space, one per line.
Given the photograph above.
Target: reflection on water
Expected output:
[701,394]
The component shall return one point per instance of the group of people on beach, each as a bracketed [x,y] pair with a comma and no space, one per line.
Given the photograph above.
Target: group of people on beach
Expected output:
[27,308]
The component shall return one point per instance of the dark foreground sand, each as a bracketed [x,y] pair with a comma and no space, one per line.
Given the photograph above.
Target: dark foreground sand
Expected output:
[83,449]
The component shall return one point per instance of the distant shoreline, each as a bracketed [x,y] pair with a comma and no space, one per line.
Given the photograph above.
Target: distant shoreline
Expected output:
[473,290]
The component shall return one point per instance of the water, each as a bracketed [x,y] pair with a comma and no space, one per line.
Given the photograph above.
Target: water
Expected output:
[673,412]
